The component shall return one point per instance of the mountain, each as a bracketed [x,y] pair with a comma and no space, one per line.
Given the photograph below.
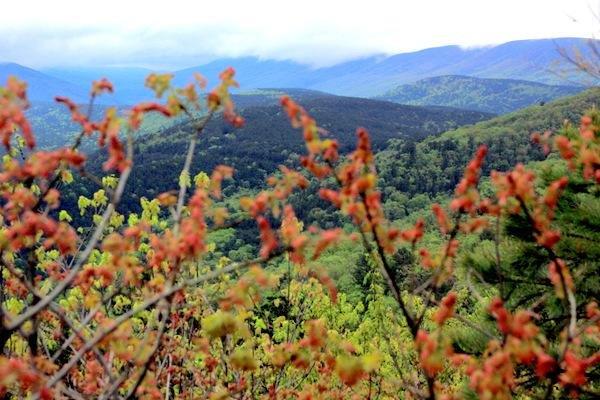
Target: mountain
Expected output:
[435,164]
[483,94]
[40,86]
[536,60]
[267,140]
[128,82]
[533,60]
[272,96]
[251,72]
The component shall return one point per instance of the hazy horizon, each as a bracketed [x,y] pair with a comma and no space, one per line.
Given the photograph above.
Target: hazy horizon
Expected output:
[66,33]
[209,60]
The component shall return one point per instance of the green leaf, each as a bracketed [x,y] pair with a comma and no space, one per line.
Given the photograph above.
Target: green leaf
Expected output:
[63,215]
[184,179]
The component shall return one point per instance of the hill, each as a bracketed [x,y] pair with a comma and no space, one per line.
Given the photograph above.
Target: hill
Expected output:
[40,86]
[54,127]
[267,140]
[128,82]
[435,164]
[483,94]
[534,60]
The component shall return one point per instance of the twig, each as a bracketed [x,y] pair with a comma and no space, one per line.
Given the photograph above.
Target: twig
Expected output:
[145,305]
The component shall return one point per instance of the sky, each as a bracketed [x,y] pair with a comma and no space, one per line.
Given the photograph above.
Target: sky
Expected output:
[178,34]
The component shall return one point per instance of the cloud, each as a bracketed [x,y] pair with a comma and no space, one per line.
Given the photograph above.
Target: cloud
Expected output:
[176,33]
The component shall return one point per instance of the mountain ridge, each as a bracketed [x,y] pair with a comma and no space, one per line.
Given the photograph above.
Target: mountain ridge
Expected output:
[536,60]
[498,96]
[267,140]
[41,86]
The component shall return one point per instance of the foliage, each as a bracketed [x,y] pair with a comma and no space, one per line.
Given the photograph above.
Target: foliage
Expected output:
[267,141]
[150,304]
[435,164]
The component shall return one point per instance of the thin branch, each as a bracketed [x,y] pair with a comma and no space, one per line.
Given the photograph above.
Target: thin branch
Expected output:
[145,305]
[187,165]
[161,331]
[85,254]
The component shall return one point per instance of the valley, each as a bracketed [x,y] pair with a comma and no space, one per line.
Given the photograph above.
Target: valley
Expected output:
[419,225]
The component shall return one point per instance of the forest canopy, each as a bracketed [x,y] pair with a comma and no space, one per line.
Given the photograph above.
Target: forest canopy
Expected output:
[435,265]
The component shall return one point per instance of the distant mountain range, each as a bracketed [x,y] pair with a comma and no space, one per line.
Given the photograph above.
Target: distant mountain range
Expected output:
[498,96]
[41,86]
[532,60]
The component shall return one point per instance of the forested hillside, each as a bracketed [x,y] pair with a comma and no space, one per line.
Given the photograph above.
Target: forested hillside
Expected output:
[281,252]
[435,164]
[266,141]
[414,173]
[55,126]
[498,96]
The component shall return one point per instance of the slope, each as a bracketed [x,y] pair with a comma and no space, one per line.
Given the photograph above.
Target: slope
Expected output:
[435,164]
[537,60]
[483,94]
[267,140]
[41,87]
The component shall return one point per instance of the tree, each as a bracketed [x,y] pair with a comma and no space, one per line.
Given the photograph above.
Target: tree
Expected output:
[146,306]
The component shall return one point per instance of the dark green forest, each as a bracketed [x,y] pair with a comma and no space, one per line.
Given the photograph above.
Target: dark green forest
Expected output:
[421,155]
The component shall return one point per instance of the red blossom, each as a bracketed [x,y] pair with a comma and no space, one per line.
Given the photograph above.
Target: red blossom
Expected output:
[326,239]
[324,279]
[502,316]
[220,173]
[13,103]
[554,191]
[116,156]
[415,234]
[291,236]
[544,364]
[574,375]
[565,149]
[543,140]
[431,355]
[559,275]
[267,237]
[316,333]
[442,218]
[466,195]
[101,86]
[446,308]
[135,116]
[76,114]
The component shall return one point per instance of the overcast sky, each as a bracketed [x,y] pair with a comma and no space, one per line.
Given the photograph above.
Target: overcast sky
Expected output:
[176,33]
